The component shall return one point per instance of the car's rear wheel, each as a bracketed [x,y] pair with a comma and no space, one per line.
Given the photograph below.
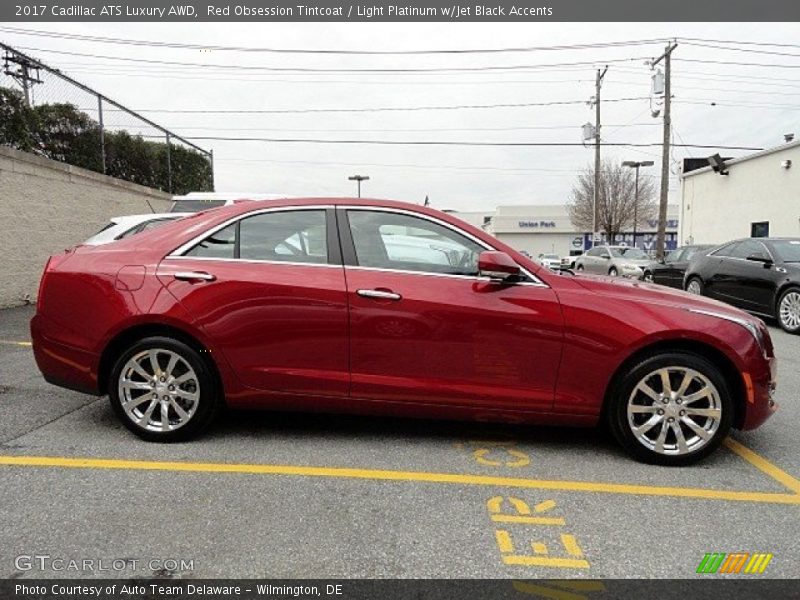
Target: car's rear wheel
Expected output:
[613,271]
[648,276]
[579,268]
[163,390]
[789,310]
[695,286]
[671,409]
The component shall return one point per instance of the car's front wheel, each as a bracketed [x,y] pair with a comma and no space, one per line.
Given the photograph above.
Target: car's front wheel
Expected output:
[163,390]
[671,409]
[789,310]
[579,268]
[613,271]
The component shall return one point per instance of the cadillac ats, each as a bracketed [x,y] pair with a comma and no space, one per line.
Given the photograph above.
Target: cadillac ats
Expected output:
[382,307]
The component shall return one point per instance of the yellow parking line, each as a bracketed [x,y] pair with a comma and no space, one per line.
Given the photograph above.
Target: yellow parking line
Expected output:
[386,475]
[15,343]
[762,464]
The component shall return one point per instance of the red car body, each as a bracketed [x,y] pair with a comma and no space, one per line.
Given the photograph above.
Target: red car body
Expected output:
[299,337]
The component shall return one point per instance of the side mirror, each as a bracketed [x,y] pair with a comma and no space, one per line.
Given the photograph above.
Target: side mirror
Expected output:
[497,265]
[762,258]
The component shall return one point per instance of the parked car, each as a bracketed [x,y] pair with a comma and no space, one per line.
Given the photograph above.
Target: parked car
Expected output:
[627,261]
[568,262]
[199,201]
[303,305]
[550,261]
[121,227]
[671,269]
[759,275]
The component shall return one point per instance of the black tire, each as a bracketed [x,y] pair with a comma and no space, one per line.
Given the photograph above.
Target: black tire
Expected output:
[579,268]
[209,398]
[647,276]
[700,286]
[787,327]
[617,408]
[613,271]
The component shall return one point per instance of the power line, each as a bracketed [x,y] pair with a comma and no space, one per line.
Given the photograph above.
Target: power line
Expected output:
[225,111]
[331,70]
[453,143]
[748,50]
[737,64]
[191,46]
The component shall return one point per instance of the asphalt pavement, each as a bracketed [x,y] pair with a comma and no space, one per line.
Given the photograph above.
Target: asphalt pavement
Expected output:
[290,495]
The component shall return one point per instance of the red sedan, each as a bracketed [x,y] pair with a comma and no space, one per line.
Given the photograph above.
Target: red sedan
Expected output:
[382,307]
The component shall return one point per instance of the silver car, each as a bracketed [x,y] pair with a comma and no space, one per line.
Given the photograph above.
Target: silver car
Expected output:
[613,260]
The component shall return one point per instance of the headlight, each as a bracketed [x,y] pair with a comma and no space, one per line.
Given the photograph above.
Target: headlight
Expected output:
[749,325]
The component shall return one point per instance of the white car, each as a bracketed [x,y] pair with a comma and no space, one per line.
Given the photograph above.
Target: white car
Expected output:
[551,261]
[199,201]
[122,227]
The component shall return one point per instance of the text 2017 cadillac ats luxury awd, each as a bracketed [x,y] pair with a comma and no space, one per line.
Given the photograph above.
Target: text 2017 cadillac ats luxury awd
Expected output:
[382,307]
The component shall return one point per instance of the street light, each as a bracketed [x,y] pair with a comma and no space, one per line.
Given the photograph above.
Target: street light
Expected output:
[635,165]
[359,179]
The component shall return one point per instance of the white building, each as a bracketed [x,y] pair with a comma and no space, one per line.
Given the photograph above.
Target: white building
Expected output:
[547,229]
[758,196]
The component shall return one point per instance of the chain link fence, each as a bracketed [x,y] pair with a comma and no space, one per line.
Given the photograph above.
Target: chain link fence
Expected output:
[44,111]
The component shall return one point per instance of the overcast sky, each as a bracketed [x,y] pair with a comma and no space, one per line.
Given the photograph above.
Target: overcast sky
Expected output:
[462,178]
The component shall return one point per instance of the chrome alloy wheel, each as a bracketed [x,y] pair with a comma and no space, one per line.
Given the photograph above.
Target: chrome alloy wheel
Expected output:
[158,390]
[694,287]
[789,310]
[674,411]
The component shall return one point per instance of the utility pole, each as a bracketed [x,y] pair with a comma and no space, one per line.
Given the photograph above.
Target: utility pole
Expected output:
[22,74]
[662,204]
[596,200]
[359,179]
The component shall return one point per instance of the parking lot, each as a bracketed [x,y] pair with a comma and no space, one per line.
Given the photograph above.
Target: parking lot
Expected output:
[285,495]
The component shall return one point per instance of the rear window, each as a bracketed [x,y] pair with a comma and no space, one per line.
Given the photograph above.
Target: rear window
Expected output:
[195,205]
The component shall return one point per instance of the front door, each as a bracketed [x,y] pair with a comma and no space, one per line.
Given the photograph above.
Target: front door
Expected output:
[424,328]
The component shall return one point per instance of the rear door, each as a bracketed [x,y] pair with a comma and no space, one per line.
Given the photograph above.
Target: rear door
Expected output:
[426,329]
[269,289]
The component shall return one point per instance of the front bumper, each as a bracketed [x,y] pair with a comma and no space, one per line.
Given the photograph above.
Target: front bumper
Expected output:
[759,385]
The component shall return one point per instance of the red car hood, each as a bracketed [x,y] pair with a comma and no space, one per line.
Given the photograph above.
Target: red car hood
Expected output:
[640,291]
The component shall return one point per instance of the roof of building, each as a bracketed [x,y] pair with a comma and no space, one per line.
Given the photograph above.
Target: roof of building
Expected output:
[741,159]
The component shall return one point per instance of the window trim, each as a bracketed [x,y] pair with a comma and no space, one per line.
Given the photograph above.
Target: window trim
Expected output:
[334,252]
[350,259]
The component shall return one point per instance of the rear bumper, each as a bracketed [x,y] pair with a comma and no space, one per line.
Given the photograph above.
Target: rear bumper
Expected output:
[63,365]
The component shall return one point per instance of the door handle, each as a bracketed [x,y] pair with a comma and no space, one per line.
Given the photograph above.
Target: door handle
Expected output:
[194,276]
[379,294]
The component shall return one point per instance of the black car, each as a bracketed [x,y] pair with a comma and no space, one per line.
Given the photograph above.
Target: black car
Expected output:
[759,275]
[669,271]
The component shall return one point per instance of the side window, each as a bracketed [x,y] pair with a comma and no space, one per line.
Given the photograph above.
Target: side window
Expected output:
[593,252]
[747,248]
[291,236]
[387,240]
[726,251]
[286,236]
[221,244]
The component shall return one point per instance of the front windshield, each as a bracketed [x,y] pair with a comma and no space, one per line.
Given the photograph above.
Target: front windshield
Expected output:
[631,253]
[787,250]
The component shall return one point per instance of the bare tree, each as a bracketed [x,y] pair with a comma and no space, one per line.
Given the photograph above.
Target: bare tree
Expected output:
[617,204]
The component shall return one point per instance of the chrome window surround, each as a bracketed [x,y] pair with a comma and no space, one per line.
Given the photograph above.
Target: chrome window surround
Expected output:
[178,253]
[535,281]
